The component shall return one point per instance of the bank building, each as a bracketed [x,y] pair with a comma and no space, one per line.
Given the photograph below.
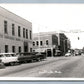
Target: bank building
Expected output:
[15,33]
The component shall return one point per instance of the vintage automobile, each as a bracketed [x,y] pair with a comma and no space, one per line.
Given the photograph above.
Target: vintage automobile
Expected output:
[9,58]
[67,54]
[27,57]
[1,64]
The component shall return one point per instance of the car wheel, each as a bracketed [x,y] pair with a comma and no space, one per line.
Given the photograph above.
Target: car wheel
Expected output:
[38,59]
[11,63]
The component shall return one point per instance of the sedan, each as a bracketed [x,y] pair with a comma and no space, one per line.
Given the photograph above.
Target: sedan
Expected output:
[67,54]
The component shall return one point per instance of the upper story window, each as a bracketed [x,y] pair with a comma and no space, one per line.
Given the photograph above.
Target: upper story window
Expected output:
[33,43]
[30,34]
[13,29]
[47,42]
[23,32]
[19,31]
[37,43]
[5,27]
[41,43]
[26,33]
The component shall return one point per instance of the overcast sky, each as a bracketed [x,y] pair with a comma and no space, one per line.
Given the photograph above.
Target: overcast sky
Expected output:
[53,17]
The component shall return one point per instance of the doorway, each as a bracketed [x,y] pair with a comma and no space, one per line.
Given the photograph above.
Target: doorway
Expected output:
[25,46]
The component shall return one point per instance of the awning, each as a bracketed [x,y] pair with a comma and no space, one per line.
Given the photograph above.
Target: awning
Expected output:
[58,51]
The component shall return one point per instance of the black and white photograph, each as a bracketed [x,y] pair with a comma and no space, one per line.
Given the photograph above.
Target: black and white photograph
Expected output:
[42,40]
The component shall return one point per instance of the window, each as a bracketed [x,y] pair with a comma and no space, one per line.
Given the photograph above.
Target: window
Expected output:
[5,27]
[30,49]
[19,49]
[6,48]
[33,43]
[41,43]
[13,49]
[47,42]
[30,35]
[24,32]
[37,43]
[27,33]
[19,31]
[33,50]
[13,29]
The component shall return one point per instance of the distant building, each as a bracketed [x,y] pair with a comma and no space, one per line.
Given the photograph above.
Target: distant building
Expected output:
[15,33]
[45,42]
[51,43]
[64,43]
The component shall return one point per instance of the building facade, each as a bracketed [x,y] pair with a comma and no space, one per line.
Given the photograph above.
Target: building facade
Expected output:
[51,42]
[45,42]
[64,43]
[15,33]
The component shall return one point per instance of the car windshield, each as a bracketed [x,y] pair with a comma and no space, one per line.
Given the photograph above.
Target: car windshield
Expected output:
[7,55]
[13,55]
[1,56]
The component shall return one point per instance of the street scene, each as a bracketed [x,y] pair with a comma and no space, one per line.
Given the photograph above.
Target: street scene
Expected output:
[34,44]
[59,67]
[40,82]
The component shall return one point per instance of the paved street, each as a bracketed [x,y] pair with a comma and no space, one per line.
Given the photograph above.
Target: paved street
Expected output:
[72,66]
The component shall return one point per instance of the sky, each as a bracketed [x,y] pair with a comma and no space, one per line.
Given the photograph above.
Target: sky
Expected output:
[53,17]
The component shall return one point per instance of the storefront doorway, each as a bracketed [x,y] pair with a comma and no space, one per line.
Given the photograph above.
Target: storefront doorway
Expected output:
[25,46]
[49,53]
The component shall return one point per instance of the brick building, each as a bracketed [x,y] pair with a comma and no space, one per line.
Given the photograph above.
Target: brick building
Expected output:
[51,42]
[45,42]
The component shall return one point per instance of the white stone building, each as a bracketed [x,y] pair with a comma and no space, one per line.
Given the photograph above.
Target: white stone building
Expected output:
[15,33]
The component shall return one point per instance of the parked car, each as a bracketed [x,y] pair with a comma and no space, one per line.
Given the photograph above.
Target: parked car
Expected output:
[67,54]
[9,58]
[1,64]
[40,56]
[26,57]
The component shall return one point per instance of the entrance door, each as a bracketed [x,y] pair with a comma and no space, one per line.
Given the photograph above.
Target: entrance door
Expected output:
[25,46]
[49,52]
